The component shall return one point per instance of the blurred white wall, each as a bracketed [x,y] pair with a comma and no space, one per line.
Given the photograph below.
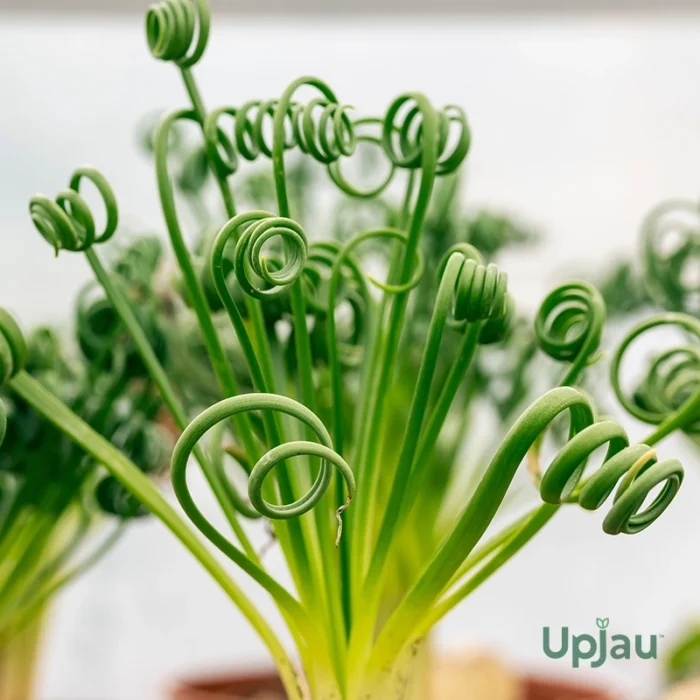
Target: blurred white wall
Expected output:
[579,126]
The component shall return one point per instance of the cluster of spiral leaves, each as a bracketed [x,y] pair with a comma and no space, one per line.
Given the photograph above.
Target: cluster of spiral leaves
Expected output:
[52,495]
[664,278]
[351,382]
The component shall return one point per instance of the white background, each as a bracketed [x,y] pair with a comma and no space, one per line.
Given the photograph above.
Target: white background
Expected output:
[580,125]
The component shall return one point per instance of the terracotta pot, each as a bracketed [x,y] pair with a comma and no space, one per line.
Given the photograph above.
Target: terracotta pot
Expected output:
[538,688]
[257,685]
[266,686]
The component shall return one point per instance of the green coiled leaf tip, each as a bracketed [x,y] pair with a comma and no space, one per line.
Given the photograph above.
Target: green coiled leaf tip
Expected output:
[228,408]
[669,395]
[178,30]
[569,326]
[67,223]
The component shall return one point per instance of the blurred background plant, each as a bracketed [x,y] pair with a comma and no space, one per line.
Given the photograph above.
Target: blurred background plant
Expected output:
[664,275]
[60,511]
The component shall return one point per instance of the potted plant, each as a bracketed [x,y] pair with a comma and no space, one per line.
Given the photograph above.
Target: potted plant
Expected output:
[340,504]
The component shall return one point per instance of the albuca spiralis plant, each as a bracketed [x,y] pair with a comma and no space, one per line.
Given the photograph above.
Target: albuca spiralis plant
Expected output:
[313,421]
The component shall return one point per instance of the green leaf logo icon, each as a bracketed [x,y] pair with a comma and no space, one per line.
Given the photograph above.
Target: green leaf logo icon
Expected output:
[603,622]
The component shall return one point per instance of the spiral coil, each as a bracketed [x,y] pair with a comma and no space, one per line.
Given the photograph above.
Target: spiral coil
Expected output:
[227,408]
[67,223]
[668,396]
[321,128]
[402,133]
[253,231]
[633,469]
[480,294]
[569,326]
[673,378]
[670,250]
[363,137]
[178,30]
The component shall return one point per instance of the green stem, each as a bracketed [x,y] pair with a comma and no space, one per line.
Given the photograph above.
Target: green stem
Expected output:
[361,512]
[290,535]
[33,547]
[386,359]
[325,568]
[38,595]
[485,551]
[133,479]
[479,512]
[414,424]
[418,472]
[167,392]
[501,551]
[212,342]
[362,632]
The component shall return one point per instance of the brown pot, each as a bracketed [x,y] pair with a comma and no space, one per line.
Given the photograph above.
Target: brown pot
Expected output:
[256,685]
[267,686]
[538,688]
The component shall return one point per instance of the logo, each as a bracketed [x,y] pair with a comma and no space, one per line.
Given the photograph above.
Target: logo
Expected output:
[597,649]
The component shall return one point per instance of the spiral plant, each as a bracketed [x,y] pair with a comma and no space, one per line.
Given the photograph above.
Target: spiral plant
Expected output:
[340,456]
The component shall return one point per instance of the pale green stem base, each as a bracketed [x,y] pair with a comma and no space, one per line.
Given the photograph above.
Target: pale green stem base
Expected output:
[407,679]
[18,661]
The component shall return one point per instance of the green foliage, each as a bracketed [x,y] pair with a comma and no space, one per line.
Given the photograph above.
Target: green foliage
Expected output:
[684,660]
[376,330]
[52,496]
